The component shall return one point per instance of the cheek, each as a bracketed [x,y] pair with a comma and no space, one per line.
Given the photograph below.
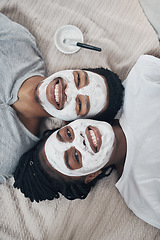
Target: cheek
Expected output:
[69,108]
[97,101]
[89,160]
[58,155]
[86,158]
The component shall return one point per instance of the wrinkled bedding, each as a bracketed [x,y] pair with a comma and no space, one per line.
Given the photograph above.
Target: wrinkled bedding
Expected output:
[123,32]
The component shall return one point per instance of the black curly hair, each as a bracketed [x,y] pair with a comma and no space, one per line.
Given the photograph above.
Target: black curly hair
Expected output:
[116,92]
[36,184]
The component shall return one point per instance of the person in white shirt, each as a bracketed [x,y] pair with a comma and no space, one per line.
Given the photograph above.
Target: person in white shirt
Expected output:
[72,159]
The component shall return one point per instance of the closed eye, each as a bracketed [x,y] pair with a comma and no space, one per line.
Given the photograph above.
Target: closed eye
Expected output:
[78,82]
[79,105]
[80,78]
[82,105]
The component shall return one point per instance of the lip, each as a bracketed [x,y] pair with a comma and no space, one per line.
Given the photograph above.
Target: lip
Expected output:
[60,87]
[94,138]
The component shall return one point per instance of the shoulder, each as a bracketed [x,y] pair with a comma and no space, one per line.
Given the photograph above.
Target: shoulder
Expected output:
[146,71]
[148,60]
[14,141]
[9,28]
[145,63]
[148,65]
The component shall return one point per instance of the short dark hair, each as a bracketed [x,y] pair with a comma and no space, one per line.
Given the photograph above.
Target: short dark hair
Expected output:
[116,92]
[36,184]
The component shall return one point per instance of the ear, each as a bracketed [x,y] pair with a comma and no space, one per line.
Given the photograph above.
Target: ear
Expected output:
[92,176]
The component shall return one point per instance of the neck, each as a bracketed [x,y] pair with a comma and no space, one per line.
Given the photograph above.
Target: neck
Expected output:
[119,153]
[28,110]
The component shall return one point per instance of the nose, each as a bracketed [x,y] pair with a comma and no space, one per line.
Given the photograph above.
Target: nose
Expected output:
[64,96]
[84,143]
[83,139]
[64,87]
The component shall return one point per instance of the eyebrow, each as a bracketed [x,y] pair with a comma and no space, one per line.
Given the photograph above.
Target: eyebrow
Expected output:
[60,137]
[85,78]
[66,160]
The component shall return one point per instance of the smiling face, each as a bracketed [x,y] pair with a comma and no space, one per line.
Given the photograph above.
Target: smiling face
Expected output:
[80,148]
[69,94]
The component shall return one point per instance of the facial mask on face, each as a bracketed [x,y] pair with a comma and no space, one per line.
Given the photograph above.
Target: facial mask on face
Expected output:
[96,90]
[91,162]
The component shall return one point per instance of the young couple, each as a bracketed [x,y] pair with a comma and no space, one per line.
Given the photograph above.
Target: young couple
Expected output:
[27,96]
[71,159]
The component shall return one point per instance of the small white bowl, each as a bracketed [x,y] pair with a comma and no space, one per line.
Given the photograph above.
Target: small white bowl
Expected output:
[67,32]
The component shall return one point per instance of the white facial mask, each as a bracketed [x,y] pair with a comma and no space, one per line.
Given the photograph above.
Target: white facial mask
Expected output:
[96,90]
[91,161]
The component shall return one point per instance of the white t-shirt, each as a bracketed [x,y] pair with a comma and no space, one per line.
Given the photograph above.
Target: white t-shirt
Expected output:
[152,12]
[140,182]
[20,59]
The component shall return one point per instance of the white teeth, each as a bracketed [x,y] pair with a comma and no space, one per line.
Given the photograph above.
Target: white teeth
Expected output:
[56,93]
[93,136]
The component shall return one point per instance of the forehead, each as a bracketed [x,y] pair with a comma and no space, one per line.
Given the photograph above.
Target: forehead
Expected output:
[48,168]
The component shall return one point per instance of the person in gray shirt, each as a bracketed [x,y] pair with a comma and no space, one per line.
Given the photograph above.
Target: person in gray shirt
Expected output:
[20,59]
[27,96]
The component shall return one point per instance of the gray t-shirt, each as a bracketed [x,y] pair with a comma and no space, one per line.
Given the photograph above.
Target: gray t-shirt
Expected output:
[20,59]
